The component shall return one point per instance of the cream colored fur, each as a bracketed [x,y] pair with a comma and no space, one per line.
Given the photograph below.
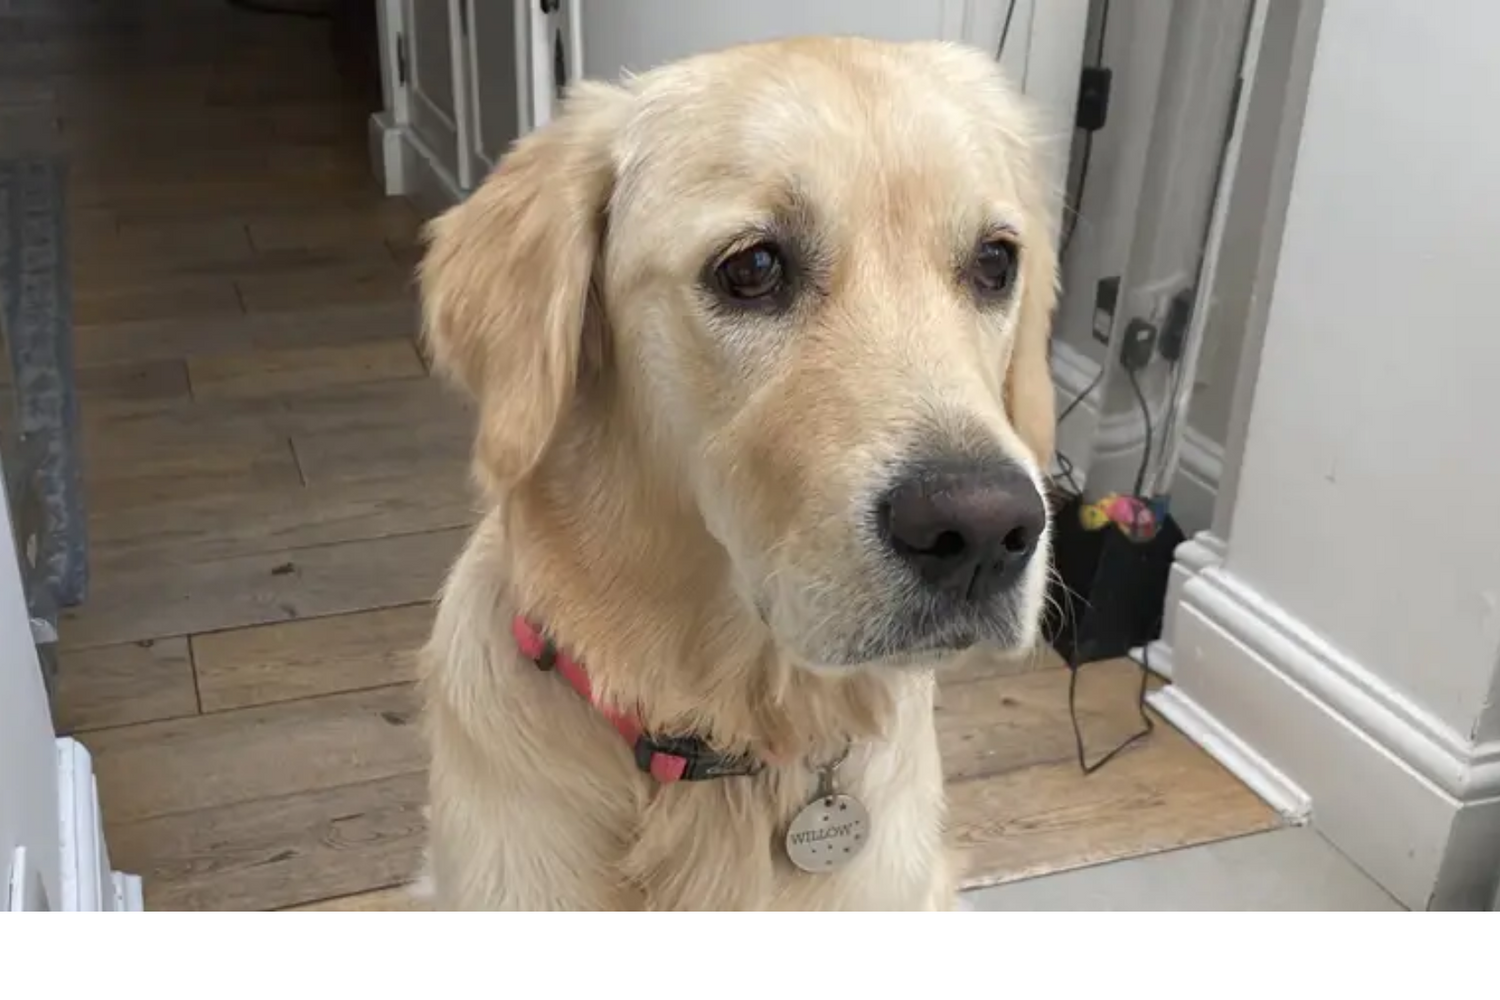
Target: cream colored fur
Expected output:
[679,493]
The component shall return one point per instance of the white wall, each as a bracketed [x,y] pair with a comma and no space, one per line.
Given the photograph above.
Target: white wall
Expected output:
[1364,497]
[1340,648]
[639,34]
[1042,55]
[28,763]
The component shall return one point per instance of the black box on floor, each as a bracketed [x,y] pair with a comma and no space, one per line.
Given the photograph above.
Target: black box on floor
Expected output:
[1109,589]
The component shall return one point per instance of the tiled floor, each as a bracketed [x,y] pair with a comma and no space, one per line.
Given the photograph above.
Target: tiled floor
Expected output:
[1290,869]
[276,488]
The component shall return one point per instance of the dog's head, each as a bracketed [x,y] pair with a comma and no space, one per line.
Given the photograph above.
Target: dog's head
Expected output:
[816,279]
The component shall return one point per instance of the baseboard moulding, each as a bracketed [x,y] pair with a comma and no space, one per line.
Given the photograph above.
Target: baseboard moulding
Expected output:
[1322,739]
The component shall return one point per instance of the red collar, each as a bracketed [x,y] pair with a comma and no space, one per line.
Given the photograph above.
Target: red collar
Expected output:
[667,759]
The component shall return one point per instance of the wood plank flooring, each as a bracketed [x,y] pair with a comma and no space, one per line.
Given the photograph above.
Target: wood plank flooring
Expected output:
[276,487]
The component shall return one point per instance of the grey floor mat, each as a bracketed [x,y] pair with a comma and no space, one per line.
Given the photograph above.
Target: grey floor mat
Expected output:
[36,316]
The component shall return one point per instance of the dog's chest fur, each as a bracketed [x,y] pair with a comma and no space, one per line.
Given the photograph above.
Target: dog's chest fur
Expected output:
[721,844]
[536,804]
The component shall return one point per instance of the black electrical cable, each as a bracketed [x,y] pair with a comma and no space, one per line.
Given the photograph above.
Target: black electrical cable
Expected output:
[1067,468]
[1083,173]
[1005,30]
[1082,395]
[1086,154]
[1148,726]
[1063,460]
[1103,26]
[1140,475]
[1073,670]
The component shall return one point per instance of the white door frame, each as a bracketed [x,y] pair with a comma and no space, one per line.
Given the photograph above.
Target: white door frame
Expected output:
[52,853]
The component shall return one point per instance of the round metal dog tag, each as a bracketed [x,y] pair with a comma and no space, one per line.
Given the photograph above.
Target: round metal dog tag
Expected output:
[827,834]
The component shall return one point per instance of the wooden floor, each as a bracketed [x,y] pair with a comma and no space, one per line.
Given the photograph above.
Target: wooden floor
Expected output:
[276,488]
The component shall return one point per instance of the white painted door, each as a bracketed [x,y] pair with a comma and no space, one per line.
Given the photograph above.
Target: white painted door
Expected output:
[30,869]
[555,49]
[499,69]
[432,33]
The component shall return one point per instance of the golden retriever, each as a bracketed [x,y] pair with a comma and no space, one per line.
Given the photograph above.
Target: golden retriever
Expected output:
[759,347]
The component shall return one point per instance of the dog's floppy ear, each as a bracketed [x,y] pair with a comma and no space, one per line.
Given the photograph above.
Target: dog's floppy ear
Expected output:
[506,281]
[1030,400]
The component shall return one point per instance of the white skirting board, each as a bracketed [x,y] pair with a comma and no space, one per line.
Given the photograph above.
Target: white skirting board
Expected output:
[406,167]
[1238,757]
[1192,557]
[88,882]
[1405,797]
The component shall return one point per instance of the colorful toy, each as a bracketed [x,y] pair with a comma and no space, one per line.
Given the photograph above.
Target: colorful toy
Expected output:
[1132,515]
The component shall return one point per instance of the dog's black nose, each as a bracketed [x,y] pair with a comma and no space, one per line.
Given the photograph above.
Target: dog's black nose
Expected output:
[969,532]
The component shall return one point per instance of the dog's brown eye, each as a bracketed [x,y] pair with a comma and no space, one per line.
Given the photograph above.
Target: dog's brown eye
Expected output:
[752,274]
[994,267]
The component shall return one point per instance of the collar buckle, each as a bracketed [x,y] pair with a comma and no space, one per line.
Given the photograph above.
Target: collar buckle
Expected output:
[657,755]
